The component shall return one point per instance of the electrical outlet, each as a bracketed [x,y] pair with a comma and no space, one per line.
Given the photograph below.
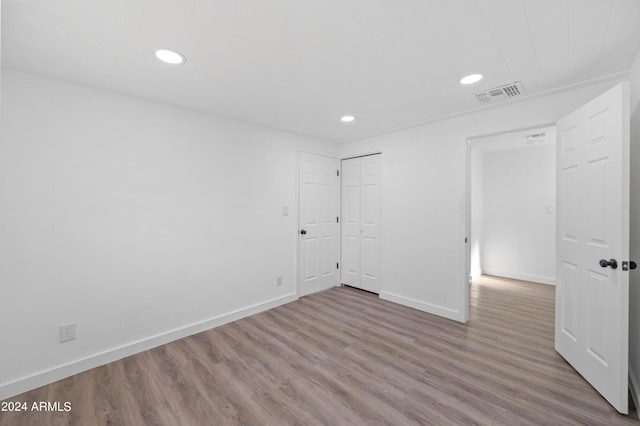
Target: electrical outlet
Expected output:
[67,332]
[285,211]
[279,280]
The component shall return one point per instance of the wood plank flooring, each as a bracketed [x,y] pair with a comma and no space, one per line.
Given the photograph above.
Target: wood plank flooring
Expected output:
[344,357]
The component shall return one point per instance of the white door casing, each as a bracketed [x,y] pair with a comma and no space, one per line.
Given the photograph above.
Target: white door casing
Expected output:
[592,302]
[318,230]
[361,223]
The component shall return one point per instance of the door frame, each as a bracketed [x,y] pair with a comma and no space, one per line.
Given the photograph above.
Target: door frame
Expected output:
[466,255]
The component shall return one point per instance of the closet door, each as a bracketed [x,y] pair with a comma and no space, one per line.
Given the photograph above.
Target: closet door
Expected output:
[361,223]
[350,229]
[370,223]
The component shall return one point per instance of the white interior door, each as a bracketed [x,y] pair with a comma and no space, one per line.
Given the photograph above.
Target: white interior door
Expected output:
[592,306]
[361,223]
[318,249]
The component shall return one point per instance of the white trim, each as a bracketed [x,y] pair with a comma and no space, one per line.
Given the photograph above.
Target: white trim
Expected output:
[475,274]
[45,377]
[466,259]
[448,313]
[518,276]
[361,155]
[634,387]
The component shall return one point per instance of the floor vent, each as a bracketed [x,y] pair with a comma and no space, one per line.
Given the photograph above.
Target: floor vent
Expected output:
[500,93]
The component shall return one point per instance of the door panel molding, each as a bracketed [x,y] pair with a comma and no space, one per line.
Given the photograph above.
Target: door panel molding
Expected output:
[319,205]
[592,301]
[360,230]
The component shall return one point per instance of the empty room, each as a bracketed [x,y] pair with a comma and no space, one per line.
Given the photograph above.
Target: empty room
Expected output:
[285,212]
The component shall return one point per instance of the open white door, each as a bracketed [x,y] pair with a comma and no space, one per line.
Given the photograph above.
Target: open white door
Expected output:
[592,298]
[318,252]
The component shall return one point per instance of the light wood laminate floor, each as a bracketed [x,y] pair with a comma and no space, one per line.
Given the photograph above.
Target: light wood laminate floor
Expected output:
[344,357]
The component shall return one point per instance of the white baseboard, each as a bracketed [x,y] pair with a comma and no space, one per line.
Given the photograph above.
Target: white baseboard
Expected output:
[422,306]
[634,387]
[518,276]
[476,274]
[42,378]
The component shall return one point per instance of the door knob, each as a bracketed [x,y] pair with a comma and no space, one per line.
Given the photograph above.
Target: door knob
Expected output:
[611,262]
[302,231]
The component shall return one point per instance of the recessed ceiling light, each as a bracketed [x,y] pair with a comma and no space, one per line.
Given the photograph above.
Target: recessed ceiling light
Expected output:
[470,79]
[170,57]
[347,118]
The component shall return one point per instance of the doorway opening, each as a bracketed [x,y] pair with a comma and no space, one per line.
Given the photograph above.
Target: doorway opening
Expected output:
[512,199]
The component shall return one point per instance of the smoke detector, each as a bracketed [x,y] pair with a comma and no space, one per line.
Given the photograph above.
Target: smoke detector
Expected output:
[499,93]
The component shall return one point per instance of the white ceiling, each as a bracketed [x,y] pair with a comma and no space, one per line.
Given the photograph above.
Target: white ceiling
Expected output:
[298,65]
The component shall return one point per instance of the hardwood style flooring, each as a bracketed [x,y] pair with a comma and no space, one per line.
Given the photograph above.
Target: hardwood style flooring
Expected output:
[344,357]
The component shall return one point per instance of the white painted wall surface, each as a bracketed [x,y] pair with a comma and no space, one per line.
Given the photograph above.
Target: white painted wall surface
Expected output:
[634,249]
[477,197]
[518,235]
[141,222]
[423,196]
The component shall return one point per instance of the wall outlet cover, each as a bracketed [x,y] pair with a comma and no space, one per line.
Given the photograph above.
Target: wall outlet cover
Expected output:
[67,332]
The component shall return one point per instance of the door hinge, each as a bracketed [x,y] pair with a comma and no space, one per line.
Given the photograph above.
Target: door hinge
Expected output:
[337,219]
[337,266]
[465,239]
[337,172]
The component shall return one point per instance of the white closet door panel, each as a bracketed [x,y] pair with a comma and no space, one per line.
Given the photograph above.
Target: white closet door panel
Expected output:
[361,223]
[350,265]
[370,223]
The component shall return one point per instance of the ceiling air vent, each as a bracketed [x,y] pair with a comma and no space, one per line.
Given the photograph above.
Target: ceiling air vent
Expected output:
[535,138]
[500,93]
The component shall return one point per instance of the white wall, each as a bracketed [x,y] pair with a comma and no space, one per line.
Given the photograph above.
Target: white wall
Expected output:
[518,235]
[139,221]
[634,249]
[477,198]
[0,53]
[423,256]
